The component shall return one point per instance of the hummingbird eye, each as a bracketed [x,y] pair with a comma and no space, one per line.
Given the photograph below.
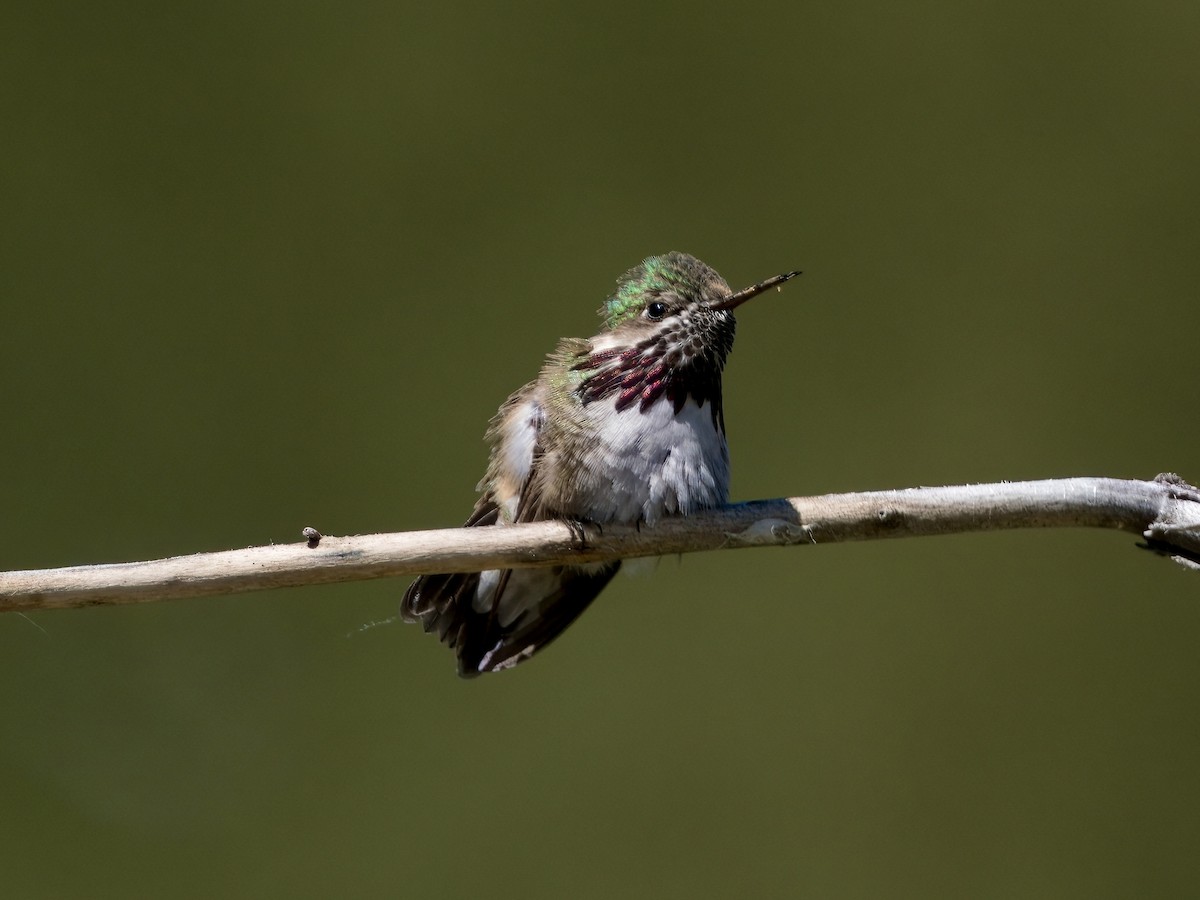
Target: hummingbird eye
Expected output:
[656,310]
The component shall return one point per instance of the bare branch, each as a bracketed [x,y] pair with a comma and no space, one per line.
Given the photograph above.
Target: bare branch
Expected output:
[1165,512]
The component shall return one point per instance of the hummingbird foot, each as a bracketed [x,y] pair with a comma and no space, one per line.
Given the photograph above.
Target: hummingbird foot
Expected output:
[579,531]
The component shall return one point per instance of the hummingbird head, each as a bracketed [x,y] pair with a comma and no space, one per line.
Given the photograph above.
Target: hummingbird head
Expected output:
[668,329]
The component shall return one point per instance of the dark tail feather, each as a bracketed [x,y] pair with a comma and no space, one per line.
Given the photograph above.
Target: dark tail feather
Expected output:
[548,599]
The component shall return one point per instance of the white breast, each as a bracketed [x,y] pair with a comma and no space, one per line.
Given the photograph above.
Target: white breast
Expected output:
[646,465]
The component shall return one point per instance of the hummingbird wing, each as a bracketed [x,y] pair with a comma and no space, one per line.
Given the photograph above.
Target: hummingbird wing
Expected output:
[434,600]
[498,618]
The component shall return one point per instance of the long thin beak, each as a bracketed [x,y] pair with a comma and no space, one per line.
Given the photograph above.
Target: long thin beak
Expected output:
[734,300]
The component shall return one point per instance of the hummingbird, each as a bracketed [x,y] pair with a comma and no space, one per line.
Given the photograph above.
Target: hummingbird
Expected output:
[626,427]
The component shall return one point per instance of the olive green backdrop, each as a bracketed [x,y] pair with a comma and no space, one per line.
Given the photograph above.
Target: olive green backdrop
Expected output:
[272,265]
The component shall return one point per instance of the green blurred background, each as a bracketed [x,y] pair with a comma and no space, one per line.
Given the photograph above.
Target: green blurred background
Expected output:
[273,265]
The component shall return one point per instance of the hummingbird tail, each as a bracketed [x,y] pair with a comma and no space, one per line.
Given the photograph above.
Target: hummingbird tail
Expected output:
[499,618]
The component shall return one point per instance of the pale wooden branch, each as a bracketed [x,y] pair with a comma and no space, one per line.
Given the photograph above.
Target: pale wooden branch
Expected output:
[1165,512]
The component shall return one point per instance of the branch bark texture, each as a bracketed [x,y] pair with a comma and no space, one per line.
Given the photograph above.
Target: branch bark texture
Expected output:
[1165,512]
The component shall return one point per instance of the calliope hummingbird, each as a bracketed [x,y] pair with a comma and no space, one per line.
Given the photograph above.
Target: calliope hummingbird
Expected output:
[625,427]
